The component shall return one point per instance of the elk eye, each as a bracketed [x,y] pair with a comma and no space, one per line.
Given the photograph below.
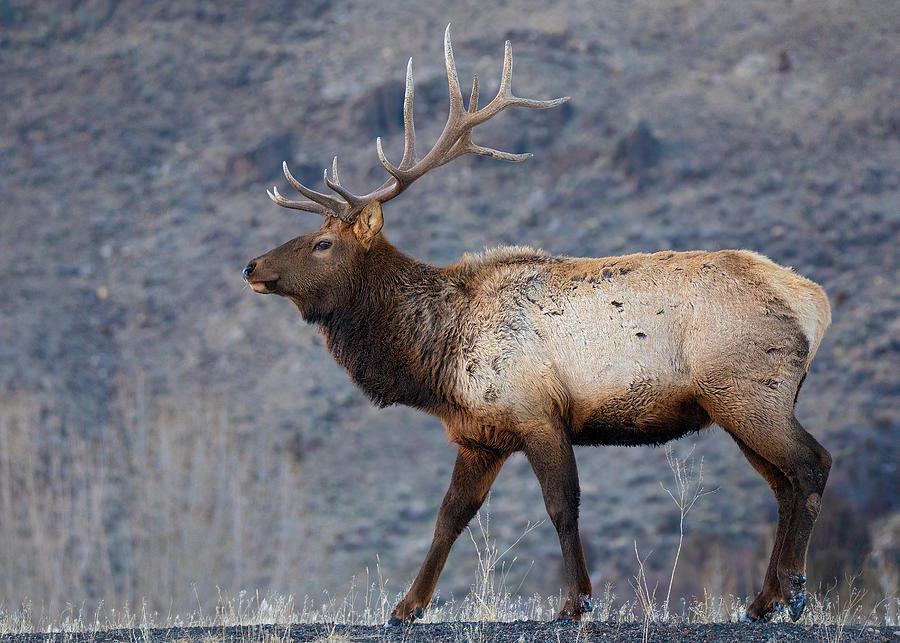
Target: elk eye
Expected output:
[322,245]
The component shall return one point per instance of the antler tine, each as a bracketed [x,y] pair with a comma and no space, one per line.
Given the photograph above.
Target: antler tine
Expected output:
[505,98]
[399,175]
[498,154]
[409,159]
[306,206]
[506,74]
[320,203]
[473,99]
[456,99]
[354,201]
[409,126]
[348,196]
[329,202]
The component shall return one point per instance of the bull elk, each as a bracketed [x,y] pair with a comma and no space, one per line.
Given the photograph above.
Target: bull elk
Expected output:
[517,350]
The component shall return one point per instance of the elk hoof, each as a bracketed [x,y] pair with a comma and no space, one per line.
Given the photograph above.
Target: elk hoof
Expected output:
[798,596]
[764,617]
[395,621]
[575,607]
[795,608]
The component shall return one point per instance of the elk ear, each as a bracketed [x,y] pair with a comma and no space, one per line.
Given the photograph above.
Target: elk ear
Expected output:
[369,223]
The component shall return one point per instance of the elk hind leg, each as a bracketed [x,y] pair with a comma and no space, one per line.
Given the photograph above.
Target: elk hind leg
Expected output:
[812,464]
[769,598]
[781,441]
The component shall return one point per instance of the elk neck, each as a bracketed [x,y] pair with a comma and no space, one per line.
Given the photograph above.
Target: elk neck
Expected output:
[396,336]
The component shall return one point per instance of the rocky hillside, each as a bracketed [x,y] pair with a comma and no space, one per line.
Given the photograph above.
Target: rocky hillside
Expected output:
[139,376]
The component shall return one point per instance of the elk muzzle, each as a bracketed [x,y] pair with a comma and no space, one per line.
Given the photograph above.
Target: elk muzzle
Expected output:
[261,280]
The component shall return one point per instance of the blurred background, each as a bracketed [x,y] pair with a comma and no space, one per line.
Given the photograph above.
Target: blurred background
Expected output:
[165,433]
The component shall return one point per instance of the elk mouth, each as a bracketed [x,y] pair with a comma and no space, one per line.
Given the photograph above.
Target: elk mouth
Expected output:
[264,287]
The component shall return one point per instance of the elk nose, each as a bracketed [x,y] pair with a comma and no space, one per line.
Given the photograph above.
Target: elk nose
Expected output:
[248,270]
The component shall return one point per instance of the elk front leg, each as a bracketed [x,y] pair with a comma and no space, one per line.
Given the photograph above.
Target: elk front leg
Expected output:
[553,462]
[473,475]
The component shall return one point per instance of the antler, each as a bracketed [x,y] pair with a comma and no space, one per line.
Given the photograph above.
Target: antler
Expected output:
[454,141]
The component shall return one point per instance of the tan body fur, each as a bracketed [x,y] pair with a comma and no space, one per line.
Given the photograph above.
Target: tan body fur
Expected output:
[623,348]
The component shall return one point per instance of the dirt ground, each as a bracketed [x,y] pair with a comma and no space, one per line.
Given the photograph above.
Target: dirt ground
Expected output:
[517,632]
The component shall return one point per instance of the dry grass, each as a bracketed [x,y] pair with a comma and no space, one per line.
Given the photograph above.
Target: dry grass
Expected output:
[250,611]
[268,617]
[491,591]
[144,510]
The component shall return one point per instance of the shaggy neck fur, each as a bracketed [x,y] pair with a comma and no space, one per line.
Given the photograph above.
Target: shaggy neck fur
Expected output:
[395,334]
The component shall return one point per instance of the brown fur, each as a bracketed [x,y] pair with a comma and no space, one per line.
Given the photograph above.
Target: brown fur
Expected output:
[516,350]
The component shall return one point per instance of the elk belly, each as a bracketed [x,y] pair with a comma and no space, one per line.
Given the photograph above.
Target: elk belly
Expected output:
[643,414]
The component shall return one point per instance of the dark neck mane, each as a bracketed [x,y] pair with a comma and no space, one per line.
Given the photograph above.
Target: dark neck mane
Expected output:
[394,336]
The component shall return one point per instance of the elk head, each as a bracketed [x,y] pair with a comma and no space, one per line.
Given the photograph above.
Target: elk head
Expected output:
[319,271]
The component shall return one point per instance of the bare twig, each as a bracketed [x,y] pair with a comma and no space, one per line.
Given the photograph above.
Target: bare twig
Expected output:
[646,597]
[688,489]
